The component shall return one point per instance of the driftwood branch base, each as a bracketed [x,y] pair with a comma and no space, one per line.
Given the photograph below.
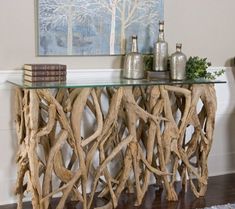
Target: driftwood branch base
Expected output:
[133,134]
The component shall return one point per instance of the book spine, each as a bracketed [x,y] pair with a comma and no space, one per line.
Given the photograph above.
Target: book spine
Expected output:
[45,67]
[45,73]
[44,79]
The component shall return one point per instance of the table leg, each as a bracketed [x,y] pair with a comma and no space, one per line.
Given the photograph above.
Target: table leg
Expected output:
[144,131]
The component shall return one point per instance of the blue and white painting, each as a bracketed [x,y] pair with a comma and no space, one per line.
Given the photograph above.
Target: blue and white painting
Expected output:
[97,27]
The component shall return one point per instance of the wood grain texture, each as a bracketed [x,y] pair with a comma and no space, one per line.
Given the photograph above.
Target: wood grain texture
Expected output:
[144,133]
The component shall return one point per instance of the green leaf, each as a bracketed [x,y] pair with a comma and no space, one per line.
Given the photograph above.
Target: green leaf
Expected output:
[196,67]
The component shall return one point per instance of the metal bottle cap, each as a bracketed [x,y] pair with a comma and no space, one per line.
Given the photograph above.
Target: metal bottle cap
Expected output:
[134,36]
[178,47]
[161,26]
[134,47]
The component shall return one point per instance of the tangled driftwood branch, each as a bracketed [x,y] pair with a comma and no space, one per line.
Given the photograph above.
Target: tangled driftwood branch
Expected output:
[144,131]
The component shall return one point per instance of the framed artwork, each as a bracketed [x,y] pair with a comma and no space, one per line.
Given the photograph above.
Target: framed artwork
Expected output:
[96,27]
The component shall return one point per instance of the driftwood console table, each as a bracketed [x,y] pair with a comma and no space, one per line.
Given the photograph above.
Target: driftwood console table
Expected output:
[137,129]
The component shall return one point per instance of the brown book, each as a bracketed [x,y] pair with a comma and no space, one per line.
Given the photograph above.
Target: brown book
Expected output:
[44,67]
[45,72]
[44,78]
[158,75]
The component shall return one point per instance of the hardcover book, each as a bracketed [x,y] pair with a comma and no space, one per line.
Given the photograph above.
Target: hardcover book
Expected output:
[44,78]
[45,67]
[36,73]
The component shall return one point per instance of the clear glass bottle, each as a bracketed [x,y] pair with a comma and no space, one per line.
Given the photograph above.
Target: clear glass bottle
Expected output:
[160,51]
[178,64]
[134,64]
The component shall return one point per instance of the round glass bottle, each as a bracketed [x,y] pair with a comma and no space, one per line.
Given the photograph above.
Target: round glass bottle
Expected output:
[178,64]
[160,51]
[134,64]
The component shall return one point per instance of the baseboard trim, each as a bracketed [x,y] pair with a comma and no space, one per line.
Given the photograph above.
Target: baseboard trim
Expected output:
[225,164]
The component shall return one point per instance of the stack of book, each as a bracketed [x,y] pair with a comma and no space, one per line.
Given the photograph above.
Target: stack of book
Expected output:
[44,73]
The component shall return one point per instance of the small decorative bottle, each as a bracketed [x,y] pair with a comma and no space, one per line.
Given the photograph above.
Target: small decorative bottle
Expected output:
[178,64]
[160,51]
[134,64]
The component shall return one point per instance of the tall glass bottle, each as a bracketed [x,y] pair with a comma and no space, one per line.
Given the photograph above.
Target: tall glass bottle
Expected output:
[160,51]
[134,64]
[178,64]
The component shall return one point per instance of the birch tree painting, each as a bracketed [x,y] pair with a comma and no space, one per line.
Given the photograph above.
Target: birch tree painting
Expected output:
[97,27]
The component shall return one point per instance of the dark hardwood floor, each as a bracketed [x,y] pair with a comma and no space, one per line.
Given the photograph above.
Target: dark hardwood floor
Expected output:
[221,190]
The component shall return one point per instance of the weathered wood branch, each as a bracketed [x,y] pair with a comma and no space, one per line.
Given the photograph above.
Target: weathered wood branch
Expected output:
[142,131]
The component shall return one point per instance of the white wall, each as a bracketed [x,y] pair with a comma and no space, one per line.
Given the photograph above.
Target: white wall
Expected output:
[205,27]
[7,146]
[221,158]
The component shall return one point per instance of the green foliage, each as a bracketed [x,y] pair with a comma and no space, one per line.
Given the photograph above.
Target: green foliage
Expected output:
[148,62]
[197,68]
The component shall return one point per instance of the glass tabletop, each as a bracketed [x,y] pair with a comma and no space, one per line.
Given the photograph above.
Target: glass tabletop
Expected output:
[82,82]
